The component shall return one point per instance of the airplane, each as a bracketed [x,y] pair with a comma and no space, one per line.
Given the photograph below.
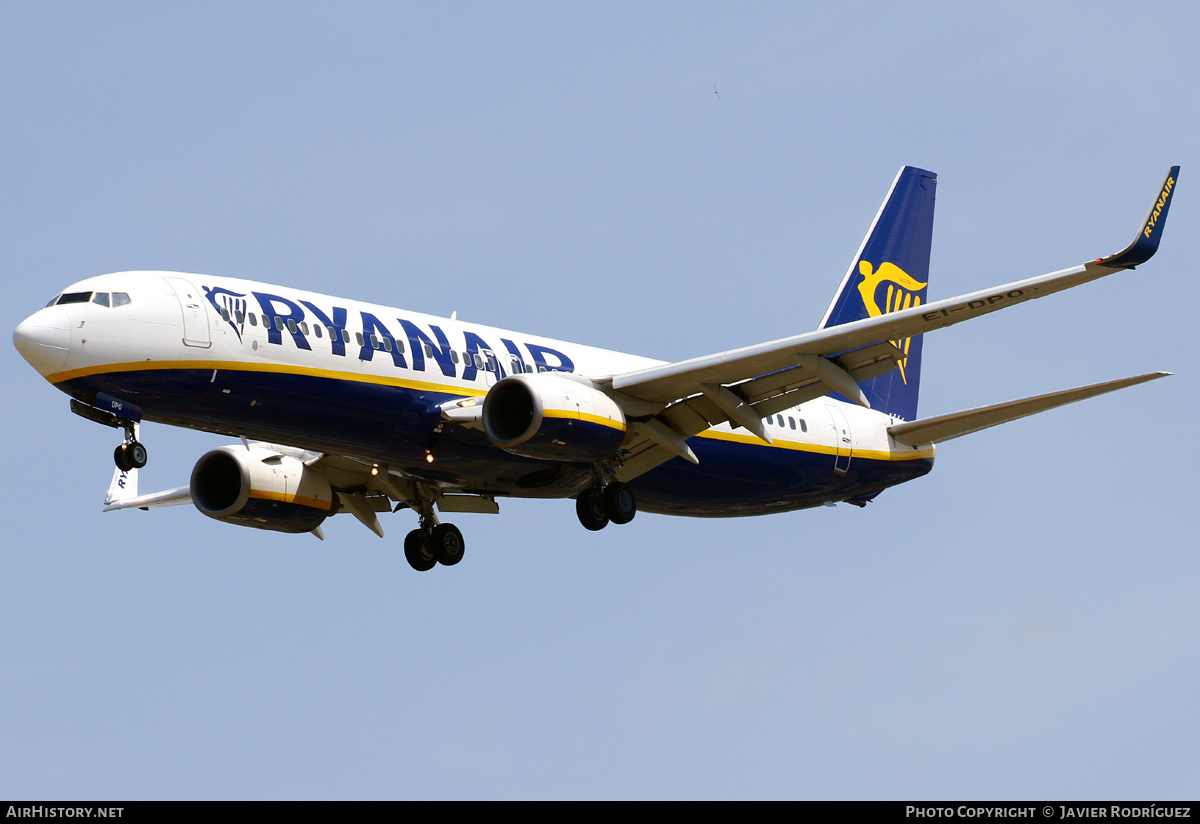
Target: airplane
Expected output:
[344,406]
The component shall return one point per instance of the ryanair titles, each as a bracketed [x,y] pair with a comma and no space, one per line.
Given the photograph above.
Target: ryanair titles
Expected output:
[1159,205]
[302,320]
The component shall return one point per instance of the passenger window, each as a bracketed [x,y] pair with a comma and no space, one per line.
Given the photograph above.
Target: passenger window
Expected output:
[120,299]
[387,344]
[791,422]
[291,324]
[304,327]
[399,345]
[358,336]
[428,351]
[101,299]
[266,319]
[803,425]
[240,316]
[454,356]
[224,314]
[333,332]
[253,319]
[346,336]
[374,341]
[317,329]
[478,361]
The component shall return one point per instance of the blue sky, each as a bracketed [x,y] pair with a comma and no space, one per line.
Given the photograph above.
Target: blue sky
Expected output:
[1020,623]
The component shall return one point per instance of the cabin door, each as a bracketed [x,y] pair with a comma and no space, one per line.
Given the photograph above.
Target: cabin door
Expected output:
[195,314]
[843,440]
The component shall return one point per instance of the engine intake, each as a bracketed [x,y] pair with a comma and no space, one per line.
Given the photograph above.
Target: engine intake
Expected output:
[260,488]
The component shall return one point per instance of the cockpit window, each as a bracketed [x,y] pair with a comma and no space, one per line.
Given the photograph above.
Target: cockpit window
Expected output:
[100,299]
[120,299]
[53,300]
[75,297]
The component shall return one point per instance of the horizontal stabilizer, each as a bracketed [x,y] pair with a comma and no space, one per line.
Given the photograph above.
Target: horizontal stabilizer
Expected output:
[947,427]
[168,497]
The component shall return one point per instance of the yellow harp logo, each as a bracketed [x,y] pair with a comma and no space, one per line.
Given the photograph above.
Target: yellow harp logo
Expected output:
[901,294]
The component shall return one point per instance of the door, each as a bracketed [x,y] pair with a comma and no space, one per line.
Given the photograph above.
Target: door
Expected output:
[842,439]
[195,315]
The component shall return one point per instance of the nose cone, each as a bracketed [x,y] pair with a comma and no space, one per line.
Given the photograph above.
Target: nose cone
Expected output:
[44,339]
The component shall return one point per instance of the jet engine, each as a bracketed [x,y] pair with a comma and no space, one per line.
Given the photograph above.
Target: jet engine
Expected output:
[261,488]
[552,417]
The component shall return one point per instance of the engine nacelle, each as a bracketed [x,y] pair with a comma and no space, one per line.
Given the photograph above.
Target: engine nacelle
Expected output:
[261,488]
[552,417]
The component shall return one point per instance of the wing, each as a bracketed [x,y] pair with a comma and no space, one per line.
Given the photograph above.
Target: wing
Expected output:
[744,385]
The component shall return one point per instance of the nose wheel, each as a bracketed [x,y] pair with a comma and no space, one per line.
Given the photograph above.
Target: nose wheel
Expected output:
[130,455]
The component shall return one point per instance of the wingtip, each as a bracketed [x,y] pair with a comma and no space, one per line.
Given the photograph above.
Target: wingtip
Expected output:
[1145,244]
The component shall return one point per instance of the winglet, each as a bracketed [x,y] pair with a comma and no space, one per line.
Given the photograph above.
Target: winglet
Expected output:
[1146,243]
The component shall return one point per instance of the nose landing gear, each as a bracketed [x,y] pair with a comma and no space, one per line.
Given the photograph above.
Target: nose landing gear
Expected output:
[130,454]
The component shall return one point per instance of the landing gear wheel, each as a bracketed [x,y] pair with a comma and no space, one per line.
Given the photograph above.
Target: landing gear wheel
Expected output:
[137,454]
[131,455]
[446,544]
[590,508]
[416,551]
[619,503]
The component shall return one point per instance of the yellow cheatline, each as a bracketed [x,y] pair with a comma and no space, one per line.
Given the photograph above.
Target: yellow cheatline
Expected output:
[272,368]
[583,416]
[314,503]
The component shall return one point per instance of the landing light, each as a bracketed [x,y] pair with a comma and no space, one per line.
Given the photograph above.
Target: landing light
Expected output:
[428,456]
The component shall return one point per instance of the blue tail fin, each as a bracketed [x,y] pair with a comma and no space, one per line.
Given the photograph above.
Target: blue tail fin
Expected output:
[891,272]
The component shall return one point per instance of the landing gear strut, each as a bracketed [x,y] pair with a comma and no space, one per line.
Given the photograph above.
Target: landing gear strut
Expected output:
[597,506]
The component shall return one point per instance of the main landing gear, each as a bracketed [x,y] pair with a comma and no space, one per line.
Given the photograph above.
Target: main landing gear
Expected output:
[597,506]
[426,548]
